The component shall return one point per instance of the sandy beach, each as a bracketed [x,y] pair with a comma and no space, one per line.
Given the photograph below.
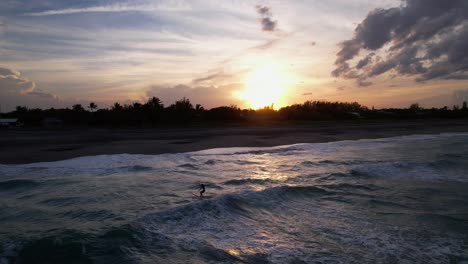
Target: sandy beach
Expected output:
[24,145]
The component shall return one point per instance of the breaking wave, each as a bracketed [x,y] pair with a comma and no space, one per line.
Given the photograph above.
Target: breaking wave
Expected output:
[393,200]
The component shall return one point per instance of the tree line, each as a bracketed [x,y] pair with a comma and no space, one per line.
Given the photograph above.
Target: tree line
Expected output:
[183,112]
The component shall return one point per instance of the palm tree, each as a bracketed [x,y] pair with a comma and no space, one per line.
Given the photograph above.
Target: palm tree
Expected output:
[117,107]
[92,106]
[78,108]
[183,105]
[414,107]
[199,108]
[21,109]
[154,104]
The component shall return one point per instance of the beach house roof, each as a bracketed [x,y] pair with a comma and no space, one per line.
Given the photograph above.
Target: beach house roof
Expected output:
[8,120]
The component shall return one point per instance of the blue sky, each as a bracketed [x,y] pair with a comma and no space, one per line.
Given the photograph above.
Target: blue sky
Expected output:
[67,52]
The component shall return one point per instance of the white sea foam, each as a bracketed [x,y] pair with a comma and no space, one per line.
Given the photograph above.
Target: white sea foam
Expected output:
[118,160]
[340,202]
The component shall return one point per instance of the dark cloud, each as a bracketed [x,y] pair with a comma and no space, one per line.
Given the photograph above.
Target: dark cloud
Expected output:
[205,78]
[363,63]
[211,77]
[8,72]
[207,96]
[265,18]
[423,38]
[307,94]
[363,82]
[263,10]
[349,49]
[341,88]
[268,24]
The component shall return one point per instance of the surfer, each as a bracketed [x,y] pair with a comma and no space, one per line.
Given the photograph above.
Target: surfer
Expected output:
[202,189]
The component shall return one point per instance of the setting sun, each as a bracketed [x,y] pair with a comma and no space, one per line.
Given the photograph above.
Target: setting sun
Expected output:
[265,86]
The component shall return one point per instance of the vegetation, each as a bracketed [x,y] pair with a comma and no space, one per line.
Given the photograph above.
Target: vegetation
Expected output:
[183,112]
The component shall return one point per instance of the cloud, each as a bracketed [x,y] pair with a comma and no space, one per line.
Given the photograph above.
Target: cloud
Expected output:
[364,62]
[43,94]
[8,72]
[207,96]
[207,78]
[16,89]
[422,38]
[11,81]
[341,88]
[265,18]
[218,76]
[174,6]
[267,45]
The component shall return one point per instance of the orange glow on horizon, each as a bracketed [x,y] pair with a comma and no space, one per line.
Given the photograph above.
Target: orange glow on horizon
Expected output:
[265,86]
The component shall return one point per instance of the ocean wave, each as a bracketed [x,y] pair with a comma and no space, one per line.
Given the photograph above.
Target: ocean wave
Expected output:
[209,229]
[241,201]
[17,184]
[188,166]
[282,224]
[61,201]
[326,146]
[427,171]
[396,200]
[248,181]
[128,160]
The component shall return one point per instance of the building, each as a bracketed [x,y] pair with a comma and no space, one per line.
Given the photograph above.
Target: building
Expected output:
[9,122]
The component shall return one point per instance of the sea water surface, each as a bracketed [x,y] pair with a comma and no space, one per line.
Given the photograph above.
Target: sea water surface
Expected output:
[391,200]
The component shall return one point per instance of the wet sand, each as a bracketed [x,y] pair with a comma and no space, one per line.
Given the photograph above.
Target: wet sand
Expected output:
[23,145]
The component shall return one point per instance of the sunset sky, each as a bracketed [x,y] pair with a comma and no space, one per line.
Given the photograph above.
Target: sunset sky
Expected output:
[385,53]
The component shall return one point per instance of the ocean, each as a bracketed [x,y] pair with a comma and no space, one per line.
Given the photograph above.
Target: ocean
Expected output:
[391,200]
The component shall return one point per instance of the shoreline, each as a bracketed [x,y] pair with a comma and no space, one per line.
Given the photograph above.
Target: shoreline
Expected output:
[20,146]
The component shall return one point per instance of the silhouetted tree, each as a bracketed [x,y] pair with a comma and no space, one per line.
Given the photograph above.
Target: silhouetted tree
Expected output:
[414,107]
[199,108]
[154,103]
[117,107]
[153,109]
[181,111]
[21,109]
[92,106]
[78,108]
[321,110]
[266,113]
[225,113]
[183,105]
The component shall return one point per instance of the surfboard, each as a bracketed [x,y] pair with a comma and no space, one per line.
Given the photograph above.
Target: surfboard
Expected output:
[204,196]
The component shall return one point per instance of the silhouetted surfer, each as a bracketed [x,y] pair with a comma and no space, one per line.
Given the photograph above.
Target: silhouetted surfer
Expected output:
[202,189]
